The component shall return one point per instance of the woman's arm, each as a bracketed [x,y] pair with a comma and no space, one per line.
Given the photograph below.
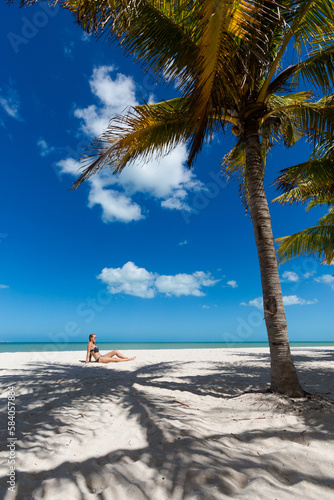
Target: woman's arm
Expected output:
[88,356]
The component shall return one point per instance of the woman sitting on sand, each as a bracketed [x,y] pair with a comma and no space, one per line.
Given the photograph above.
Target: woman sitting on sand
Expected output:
[110,357]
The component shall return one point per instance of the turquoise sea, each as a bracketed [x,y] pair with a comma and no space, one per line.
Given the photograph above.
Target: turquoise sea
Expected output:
[134,346]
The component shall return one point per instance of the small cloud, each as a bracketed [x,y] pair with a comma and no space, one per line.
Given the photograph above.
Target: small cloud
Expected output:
[68,50]
[290,276]
[9,101]
[45,150]
[233,283]
[151,99]
[309,274]
[184,242]
[184,284]
[85,37]
[4,286]
[258,303]
[68,166]
[206,307]
[116,206]
[132,280]
[326,279]
[174,203]
[288,300]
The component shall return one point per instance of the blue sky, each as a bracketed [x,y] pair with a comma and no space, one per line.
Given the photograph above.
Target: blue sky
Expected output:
[159,253]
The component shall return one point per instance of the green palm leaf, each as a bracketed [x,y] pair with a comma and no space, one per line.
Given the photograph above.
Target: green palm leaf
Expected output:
[318,69]
[306,180]
[310,182]
[144,132]
[317,240]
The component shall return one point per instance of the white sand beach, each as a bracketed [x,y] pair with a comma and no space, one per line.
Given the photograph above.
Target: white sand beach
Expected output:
[173,424]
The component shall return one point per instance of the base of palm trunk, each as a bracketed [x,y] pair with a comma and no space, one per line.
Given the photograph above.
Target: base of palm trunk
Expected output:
[284,380]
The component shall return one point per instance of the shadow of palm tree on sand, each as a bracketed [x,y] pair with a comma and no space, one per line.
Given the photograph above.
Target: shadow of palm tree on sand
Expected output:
[179,454]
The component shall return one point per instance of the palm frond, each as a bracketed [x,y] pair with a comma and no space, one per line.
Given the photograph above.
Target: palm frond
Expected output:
[215,46]
[229,27]
[279,83]
[311,182]
[314,178]
[233,167]
[317,69]
[322,199]
[317,240]
[317,119]
[144,132]
[323,148]
[280,118]
[303,21]
[316,21]
[162,35]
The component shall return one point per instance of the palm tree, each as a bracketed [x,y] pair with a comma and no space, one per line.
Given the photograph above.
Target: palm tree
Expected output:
[311,182]
[227,59]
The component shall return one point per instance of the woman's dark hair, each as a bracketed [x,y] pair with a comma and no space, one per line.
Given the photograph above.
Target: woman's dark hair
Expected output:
[90,338]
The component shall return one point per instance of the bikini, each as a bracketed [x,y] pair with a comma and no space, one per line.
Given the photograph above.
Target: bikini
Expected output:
[96,349]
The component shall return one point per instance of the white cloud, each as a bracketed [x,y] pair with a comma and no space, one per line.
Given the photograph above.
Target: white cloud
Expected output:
[258,302]
[114,96]
[174,203]
[184,284]
[163,178]
[309,274]
[114,193]
[45,149]
[95,121]
[4,286]
[290,276]
[68,166]
[85,37]
[68,49]
[132,280]
[184,242]
[233,283]
[166,179]
[327,279]
[115,205]
[9,101]
[288,300]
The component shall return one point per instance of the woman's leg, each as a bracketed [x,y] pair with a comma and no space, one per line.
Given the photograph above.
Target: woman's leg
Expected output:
[115,353]
[104,359]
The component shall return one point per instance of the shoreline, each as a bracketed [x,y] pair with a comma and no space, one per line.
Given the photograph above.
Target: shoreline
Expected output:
[6,347]
[173,424]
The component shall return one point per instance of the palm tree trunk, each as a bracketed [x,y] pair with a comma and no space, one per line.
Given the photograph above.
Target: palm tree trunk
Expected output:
[284,378]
